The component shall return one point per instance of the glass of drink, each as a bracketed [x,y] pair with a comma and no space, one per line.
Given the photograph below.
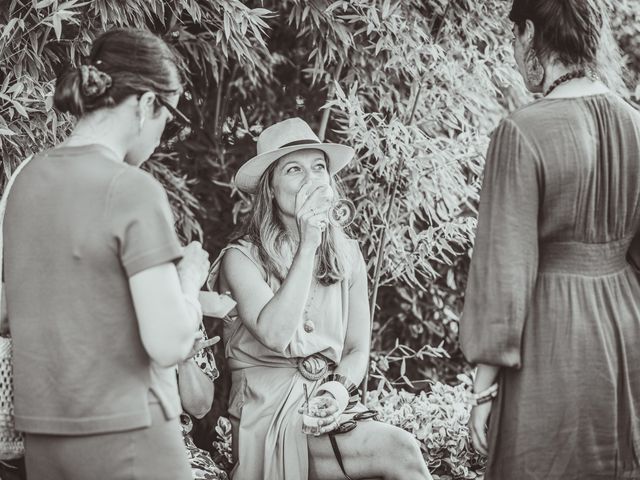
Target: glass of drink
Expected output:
[342,211]
[311,415]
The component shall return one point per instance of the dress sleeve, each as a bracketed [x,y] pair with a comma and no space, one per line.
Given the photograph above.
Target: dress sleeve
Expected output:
[141,222]
[504,265]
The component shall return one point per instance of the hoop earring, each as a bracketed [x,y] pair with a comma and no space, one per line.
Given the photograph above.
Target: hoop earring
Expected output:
[534,69]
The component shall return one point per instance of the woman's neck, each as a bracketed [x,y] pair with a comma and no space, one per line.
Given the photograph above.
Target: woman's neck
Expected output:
[98,130]
[577,87]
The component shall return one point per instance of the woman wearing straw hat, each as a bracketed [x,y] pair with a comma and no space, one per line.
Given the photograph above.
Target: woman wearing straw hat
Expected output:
[302,324]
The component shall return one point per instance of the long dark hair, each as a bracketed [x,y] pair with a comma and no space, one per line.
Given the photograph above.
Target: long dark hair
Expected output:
[576,32]
[134,61]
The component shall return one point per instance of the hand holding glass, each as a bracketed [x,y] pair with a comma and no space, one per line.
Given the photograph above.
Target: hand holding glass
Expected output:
[342,211]
[317,414]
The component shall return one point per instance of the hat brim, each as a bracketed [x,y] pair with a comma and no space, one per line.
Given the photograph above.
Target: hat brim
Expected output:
[248,175]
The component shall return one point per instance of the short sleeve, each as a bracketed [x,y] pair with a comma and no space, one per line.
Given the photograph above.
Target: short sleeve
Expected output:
[504,266]
[141,222]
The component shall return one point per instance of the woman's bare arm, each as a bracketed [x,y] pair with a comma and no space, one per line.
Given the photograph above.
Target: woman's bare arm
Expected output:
[355,358]
[272,318]
[196,389]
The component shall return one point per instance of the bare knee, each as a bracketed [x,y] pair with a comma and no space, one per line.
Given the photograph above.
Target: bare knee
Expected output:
[408,461]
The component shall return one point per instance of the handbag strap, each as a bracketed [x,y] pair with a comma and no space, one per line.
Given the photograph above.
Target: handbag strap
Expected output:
[3,207]
[336,452]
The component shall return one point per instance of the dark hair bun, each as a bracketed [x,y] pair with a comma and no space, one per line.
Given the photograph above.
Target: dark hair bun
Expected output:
[122,62]
[93,81]
[68,94]
[79,88]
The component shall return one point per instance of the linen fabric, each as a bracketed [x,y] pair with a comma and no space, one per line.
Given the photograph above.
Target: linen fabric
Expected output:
[551,296]
[267,389]
[78,224]
[153,453]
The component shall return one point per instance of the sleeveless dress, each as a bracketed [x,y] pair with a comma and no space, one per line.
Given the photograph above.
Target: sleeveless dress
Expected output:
[552,295]
[267,388]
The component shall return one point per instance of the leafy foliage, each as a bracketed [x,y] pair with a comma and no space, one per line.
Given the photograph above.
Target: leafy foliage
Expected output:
[415,86]
[438,419]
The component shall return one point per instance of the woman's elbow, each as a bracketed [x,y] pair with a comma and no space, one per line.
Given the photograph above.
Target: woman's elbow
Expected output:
[270,338]
[170,351]
[198,407]
[276,343]
[199,413]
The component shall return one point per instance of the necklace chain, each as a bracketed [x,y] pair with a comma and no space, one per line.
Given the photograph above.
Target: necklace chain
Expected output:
[564,79]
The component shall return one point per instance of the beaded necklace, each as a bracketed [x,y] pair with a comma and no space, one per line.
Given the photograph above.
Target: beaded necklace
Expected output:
[564,79]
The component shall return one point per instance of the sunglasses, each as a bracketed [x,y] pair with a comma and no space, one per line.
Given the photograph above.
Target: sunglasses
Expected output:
[179,127]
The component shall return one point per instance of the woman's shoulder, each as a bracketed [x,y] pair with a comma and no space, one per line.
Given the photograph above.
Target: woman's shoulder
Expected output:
[547,111]
[354,247]
[356,258]
[238,252]
[242,245]
[534,113]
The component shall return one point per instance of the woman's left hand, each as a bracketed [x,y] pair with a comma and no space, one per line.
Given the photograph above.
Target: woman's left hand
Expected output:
[329,414]
[478,427]
[201,343]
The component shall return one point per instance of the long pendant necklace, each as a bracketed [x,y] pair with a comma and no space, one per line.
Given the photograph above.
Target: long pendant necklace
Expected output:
[564,79]
[308,324]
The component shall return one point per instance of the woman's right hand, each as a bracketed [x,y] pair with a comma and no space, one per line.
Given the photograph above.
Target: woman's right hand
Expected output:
[193,268]
[478,427]
[312,206]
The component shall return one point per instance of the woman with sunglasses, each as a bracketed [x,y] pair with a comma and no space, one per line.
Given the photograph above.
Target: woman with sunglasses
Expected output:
[301,333]
[93,294]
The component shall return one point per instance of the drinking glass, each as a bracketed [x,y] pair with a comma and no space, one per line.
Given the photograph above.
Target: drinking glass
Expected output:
[310,416]
[342,211]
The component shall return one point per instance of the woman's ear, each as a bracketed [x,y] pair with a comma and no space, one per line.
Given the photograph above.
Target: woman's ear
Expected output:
[146,105]
[529,32]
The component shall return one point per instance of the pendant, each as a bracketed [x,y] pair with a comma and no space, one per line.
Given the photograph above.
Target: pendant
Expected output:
[309,326]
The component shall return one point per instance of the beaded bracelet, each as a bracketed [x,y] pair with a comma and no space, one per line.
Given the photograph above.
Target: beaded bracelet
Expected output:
[484,396]
[353,400]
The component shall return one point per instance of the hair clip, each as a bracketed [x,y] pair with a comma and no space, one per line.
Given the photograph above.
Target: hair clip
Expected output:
[94,82]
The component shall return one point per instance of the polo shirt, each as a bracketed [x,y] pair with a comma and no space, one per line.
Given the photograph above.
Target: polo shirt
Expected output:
[79,223]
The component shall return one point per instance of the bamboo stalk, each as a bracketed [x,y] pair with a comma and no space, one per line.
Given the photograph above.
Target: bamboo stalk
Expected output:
[377,273]
[327,111]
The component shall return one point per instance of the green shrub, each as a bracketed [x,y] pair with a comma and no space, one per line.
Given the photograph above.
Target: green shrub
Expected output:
[438,419]
[373,63]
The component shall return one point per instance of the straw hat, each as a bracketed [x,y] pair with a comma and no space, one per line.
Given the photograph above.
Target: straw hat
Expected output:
[282,138]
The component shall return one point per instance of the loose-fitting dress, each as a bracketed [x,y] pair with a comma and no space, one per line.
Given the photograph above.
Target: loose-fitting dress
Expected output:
[267,388]
[553,296]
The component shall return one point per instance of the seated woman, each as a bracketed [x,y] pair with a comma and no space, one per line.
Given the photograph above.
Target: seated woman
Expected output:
[302,313]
